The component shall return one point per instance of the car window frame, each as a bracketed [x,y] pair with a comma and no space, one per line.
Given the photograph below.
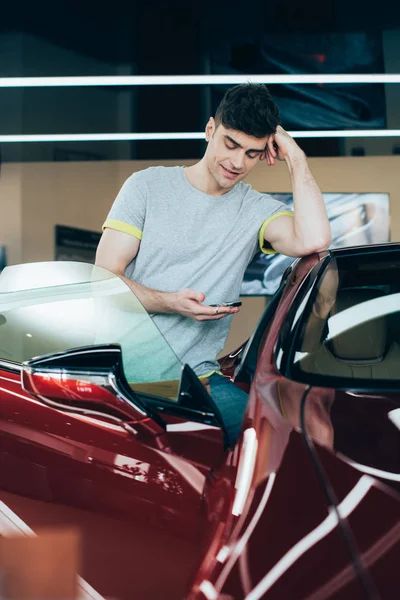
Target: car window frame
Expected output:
[245,370]
[287,344]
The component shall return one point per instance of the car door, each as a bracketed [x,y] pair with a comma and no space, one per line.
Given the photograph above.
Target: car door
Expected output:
[276,535]
[351,444]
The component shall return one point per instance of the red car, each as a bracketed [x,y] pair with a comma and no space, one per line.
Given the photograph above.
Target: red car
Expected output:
[103,429]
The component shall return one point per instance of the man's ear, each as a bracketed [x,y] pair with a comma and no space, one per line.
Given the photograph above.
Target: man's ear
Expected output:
[210,128]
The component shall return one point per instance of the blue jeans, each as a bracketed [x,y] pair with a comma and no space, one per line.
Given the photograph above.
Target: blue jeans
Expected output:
[231,401]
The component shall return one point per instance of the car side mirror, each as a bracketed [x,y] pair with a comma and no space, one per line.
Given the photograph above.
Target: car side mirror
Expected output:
[90,381]
[193,395]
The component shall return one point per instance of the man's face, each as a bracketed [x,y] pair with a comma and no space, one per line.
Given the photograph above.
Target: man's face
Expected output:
[231,154]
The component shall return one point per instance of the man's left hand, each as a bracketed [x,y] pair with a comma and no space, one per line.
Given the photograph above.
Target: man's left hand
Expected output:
[280,146]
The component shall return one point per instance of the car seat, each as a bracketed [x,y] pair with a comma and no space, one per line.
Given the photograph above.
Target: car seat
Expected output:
[365,351]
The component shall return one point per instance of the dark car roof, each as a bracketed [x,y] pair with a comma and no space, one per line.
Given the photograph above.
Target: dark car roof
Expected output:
[370,249]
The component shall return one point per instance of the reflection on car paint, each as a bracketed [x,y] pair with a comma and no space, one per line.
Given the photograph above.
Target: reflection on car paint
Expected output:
[245,522]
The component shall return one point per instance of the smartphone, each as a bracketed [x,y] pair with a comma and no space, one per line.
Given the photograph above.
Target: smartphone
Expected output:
[229,304]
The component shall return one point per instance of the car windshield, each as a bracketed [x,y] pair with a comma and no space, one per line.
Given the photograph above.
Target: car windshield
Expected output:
[351,323]
[54,306]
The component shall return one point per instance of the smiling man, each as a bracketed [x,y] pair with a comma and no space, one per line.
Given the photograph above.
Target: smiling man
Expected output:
[182,238]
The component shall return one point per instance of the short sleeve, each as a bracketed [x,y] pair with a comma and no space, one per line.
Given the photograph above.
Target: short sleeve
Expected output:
[272,209]
[128,212]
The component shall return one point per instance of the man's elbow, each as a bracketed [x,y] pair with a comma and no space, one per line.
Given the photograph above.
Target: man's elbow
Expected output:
[325,241]
[303,245]
[104,264]
[101,263]
[320,244]
[317,244]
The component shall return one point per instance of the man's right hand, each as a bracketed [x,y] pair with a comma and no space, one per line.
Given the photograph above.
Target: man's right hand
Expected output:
[188,303]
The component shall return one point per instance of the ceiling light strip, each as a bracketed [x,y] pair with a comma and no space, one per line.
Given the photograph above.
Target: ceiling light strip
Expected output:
[140,80]
[126,137]
[100,137]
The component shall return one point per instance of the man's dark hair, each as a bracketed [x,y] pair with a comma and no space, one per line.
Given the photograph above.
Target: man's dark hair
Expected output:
[249,108]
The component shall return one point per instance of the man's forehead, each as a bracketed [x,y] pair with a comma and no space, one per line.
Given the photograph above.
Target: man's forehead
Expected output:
[244,140]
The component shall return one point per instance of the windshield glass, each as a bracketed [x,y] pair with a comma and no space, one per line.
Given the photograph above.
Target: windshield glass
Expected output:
[351,324]
[54,306]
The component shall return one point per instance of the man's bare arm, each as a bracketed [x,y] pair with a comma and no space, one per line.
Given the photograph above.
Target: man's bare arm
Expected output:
[309,230]
[115,252]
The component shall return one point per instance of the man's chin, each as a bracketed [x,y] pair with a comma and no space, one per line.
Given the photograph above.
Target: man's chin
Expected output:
[226,183]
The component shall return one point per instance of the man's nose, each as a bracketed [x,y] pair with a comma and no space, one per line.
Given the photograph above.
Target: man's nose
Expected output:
[238,162]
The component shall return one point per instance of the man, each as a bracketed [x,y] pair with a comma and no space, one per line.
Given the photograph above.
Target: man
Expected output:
[182,238]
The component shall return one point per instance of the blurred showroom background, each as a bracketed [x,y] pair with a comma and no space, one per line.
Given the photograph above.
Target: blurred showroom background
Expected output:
[55,192]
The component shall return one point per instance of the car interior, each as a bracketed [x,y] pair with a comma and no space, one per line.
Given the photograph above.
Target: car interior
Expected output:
[369,350]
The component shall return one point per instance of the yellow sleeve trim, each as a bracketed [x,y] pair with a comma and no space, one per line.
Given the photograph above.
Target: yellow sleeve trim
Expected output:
[209,374]
[261,240]
[124,227]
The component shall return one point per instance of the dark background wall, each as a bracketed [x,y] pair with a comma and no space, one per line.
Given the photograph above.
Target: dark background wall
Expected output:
[155,38]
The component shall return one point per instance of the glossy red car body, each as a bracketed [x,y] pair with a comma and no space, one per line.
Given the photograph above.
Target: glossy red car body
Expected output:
[171,514]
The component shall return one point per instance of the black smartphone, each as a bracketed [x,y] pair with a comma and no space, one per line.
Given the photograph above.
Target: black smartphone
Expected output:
[229,304]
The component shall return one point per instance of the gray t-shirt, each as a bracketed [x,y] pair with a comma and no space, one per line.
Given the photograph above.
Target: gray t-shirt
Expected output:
[192,240]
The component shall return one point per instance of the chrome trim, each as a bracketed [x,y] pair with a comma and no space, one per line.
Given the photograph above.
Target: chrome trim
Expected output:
[113,382]
[89,350]
[235,354]
[10,366]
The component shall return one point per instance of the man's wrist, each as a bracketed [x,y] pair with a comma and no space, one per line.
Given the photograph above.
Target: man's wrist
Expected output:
[167,301]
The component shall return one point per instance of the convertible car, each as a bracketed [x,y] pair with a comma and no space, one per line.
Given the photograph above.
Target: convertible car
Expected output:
[104,430]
